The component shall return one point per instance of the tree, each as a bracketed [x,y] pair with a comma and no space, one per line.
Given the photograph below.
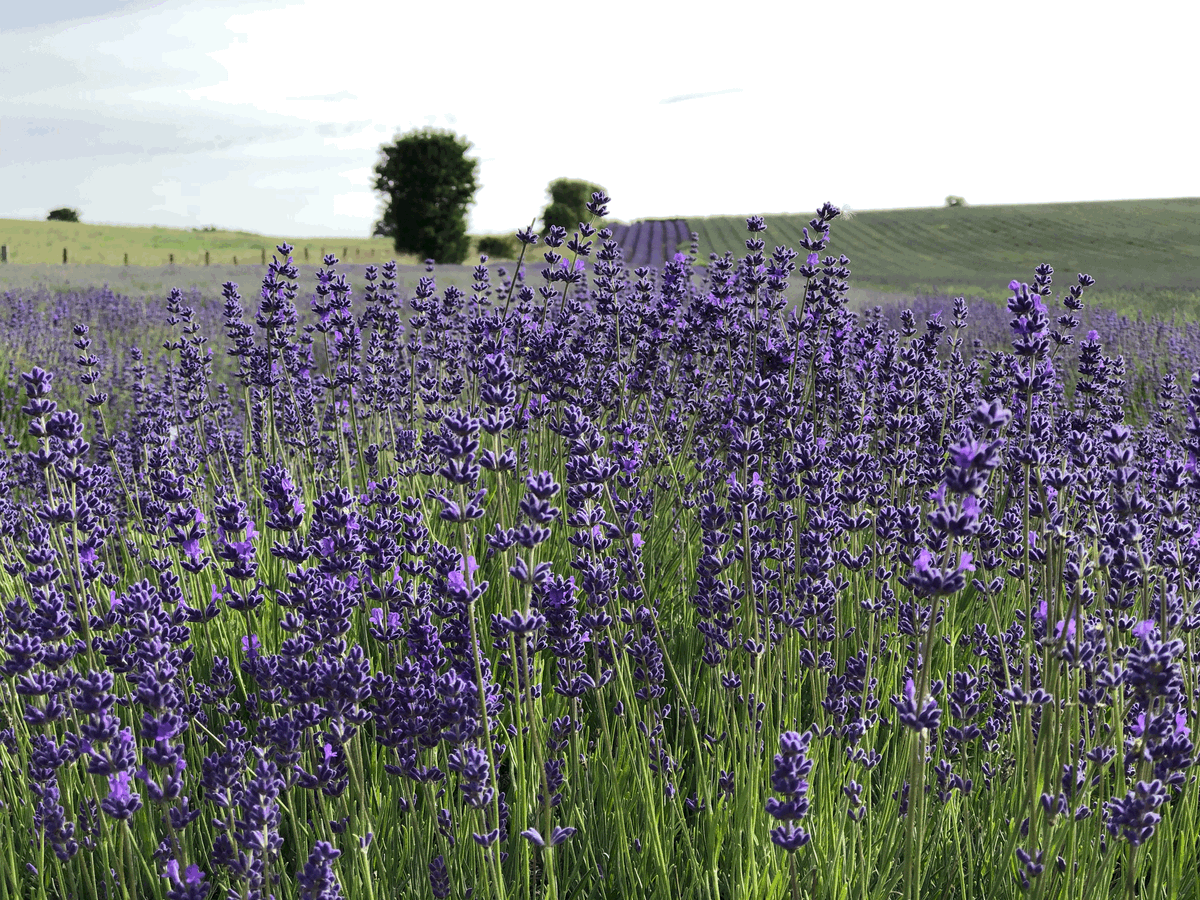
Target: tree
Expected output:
[63,214]
[497,246]
[955,201]
[428,181]
[568,203]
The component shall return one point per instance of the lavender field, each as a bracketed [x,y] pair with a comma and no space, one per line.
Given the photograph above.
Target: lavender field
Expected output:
[652,242]
[595,579]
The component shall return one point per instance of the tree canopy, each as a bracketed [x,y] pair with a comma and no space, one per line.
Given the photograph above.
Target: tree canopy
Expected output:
[568,203]
[428,181]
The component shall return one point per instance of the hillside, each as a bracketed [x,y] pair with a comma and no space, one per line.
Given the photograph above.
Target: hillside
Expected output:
[1128,246]
[1144,254]
[31,241]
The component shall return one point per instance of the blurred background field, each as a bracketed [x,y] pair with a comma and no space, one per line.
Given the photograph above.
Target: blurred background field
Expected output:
[141,281]
[1144,254]
[34,242]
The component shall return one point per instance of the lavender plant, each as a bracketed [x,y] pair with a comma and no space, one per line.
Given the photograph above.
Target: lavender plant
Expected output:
[515,592]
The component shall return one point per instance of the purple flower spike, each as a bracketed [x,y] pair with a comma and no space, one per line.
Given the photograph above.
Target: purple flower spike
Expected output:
[121,802]
[191,886]
[439,878]
[317,880]
[790,781]
[917,713]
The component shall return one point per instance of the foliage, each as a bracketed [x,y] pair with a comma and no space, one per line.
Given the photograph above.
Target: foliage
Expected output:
[428,182]
[955,201]
[679,583]
[568,203]
[498,246]
[63,214]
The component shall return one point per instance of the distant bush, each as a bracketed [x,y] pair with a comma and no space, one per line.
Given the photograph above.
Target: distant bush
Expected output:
[63,214]
[568,203]
[498,247]
[955,201]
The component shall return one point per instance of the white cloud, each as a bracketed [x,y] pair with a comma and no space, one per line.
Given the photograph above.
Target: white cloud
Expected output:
[356,204]
[359,177]
[174,200]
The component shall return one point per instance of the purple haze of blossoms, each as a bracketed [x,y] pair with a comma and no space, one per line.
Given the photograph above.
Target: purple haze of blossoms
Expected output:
[509,545]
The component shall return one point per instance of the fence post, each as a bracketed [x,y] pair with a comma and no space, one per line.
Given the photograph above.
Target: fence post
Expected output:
[171,258]
[126,259]
[346,253]
[263,250]
[3,253]
[64,256]
[306,254]
[235,260]
[206,257]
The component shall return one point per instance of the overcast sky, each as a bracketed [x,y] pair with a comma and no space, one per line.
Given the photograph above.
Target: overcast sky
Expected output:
[268,115]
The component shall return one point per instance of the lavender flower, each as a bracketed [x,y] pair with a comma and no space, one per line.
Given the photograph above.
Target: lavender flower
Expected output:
[789,781]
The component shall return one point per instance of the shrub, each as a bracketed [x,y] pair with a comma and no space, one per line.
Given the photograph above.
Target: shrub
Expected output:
[497,246]
[63,214]
[568,203]
[955,201]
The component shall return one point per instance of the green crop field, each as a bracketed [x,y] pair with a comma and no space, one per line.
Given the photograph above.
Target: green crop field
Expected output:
[1142,253]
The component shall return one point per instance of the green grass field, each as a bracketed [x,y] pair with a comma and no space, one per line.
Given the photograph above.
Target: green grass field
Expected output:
[34,242]
[1144,254]
[43,242]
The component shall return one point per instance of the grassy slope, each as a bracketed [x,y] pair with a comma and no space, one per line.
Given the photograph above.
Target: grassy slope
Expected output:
[32,241]
[1141,252]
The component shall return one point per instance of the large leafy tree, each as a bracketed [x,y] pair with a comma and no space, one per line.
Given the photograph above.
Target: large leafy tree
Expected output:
[428,181]
[568,203]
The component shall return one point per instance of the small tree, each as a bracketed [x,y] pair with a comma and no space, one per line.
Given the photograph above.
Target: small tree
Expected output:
[955,201]
[497,246]
[568,203]
[428,181]
[63,214]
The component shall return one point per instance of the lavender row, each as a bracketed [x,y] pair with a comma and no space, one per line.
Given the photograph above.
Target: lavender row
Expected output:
[652,242]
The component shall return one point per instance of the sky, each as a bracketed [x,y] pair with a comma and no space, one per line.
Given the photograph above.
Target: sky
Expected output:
[268,116]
